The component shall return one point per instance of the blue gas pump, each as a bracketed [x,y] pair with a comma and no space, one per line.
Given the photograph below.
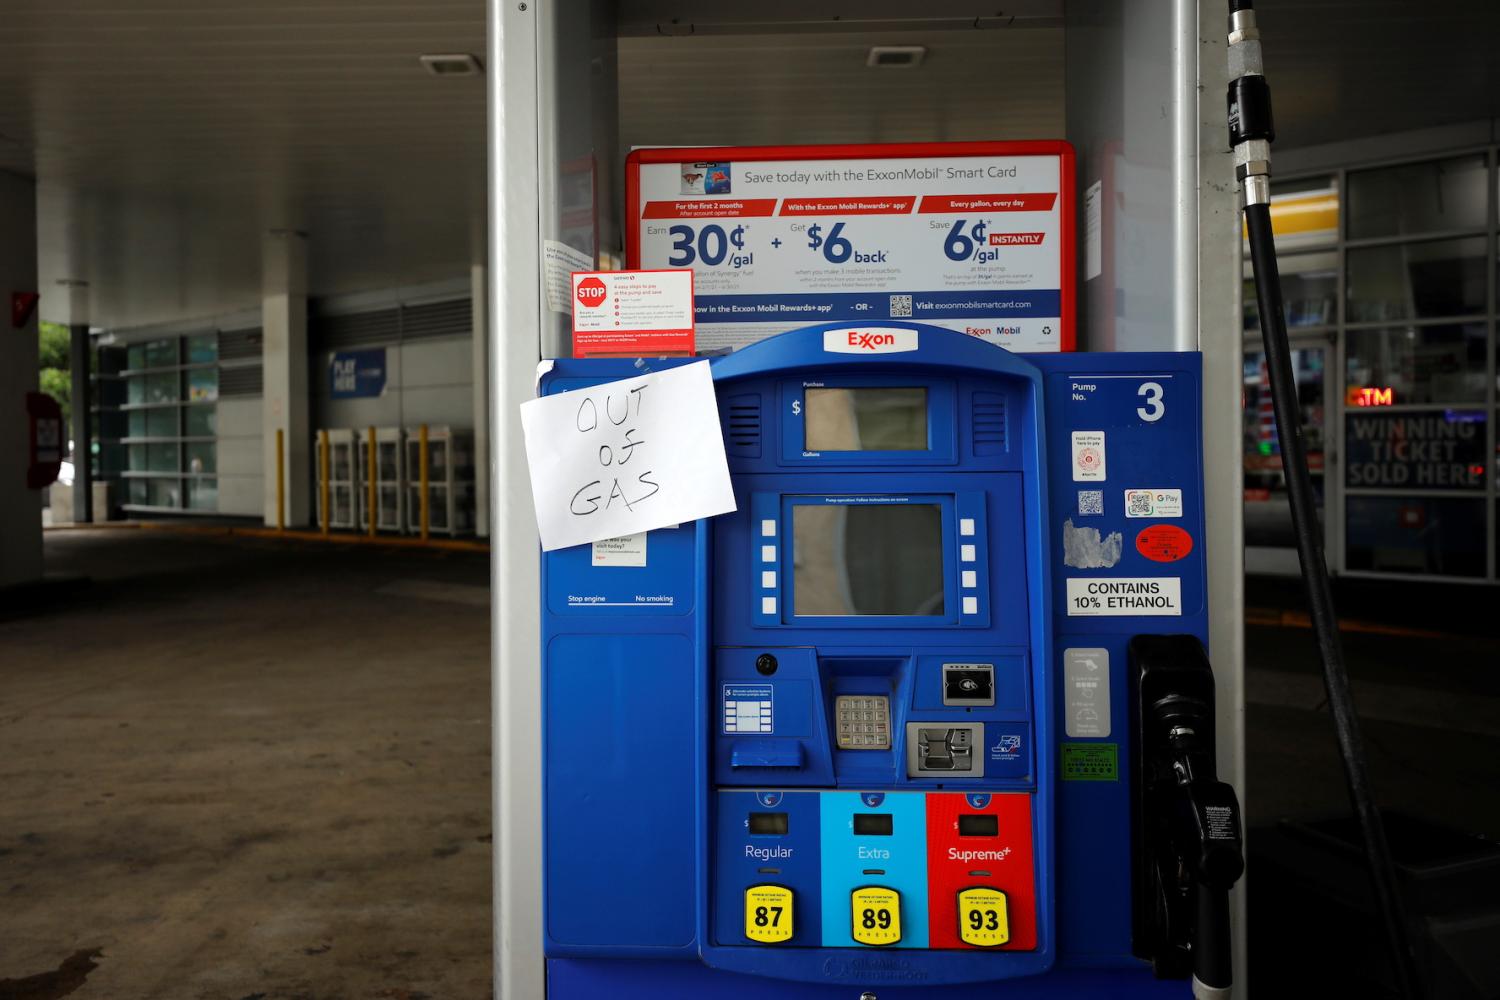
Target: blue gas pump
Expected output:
[929,710]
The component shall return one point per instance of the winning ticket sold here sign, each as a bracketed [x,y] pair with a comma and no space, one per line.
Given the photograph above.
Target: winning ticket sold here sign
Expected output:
[974,237]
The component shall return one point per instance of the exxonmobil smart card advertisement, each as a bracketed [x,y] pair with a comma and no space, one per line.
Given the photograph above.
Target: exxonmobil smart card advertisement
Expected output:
[975,237]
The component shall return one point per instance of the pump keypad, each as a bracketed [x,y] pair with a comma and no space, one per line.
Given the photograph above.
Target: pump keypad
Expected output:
[864,722]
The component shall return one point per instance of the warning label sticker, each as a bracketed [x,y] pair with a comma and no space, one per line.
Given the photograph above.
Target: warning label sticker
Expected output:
[1124,597]
[1090,762]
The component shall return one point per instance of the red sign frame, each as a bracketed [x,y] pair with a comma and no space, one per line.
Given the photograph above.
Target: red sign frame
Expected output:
[1068,193]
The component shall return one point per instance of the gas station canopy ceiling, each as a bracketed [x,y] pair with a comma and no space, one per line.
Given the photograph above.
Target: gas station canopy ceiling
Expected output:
[167,135]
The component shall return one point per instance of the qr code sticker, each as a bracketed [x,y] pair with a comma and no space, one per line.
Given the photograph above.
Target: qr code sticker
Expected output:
[1090,502]
[900,307]
[1138,503]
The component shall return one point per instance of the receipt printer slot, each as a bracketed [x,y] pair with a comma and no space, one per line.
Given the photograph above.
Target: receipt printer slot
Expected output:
[934,749]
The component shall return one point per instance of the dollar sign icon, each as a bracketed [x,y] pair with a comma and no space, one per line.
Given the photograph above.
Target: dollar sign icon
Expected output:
[813,239]
[796,407]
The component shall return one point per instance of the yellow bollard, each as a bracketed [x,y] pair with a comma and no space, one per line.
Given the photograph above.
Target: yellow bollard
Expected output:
[323,477]
[425,501]
[371,529]
[280,479]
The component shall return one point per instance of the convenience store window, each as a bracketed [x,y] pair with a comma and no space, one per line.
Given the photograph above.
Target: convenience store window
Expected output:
[1418,369]
[171,385]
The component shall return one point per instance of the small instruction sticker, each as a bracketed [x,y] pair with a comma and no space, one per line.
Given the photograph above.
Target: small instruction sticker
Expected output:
[748,708]
[1086,686]
[1123,597]
[1163,543]
[1090,762]
[1088,456]
[625,550]
[1093,231]
[1153,503]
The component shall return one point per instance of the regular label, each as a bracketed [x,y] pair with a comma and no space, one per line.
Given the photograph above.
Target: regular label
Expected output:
[1153,503]
[876,913]
[1088,456]
[625,550]
[1124,597]
[768,913]
[983,920]
[1163,543]
[1086,687]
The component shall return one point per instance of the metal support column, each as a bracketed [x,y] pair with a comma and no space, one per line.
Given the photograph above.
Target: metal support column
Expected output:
[82,405]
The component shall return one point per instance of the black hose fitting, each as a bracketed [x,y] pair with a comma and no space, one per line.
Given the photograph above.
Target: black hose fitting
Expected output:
[1250,110]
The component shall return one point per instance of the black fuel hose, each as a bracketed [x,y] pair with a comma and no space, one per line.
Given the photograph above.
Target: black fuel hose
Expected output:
[1251,132]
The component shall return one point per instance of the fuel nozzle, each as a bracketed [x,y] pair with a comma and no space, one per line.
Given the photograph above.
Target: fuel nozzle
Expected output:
[1189,827]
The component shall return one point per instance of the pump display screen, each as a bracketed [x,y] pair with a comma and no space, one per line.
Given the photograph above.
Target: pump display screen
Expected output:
[890,418]
[872,824]
[982,825]
[868,559]
[768,824]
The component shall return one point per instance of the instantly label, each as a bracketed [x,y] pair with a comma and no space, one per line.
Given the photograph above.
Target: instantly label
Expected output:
[1163,543]
[1090,762]
[1123,597]
[1086,688]
[983,920]
[876,913]
[768,914]
[1088,456]
[1153,503]
[626,550]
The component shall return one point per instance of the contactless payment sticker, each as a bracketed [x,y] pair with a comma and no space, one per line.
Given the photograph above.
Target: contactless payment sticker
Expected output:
[983,920]
[876,915]
[1088,456]
[768,913]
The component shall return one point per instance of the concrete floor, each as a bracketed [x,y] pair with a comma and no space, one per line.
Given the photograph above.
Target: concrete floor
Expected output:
[257,770]
[247,771]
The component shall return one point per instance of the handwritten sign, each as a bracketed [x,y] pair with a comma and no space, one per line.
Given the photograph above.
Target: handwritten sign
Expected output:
[626,457]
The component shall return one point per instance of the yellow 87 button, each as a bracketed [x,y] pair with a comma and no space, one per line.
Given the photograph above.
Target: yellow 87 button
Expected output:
[877,915]
[768,913]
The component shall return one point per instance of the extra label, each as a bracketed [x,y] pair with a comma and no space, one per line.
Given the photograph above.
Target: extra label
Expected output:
[983,920]
[876,915]
[1124,597]
[768,914]
[1088,456]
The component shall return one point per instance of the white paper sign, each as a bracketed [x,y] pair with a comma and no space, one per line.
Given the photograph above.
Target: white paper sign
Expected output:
[626,457]
[559,261]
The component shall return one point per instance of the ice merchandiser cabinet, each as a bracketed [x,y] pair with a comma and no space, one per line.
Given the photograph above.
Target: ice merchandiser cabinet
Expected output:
[913,721]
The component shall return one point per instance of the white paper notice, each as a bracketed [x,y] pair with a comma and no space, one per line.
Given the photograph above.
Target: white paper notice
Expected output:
[627,550]
[626,457]
[559,261]
[1093,231]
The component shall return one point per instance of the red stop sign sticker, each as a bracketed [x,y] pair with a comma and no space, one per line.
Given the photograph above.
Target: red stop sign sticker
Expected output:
[591,292]
[1163,543]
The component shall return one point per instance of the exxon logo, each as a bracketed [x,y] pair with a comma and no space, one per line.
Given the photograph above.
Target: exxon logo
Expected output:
[869,340]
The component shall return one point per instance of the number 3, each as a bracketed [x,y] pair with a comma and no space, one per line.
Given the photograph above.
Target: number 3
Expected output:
[1154,408]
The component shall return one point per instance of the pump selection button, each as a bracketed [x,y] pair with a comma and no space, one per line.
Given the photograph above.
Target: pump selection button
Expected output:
[877,915]
[983,920]
[768,913]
